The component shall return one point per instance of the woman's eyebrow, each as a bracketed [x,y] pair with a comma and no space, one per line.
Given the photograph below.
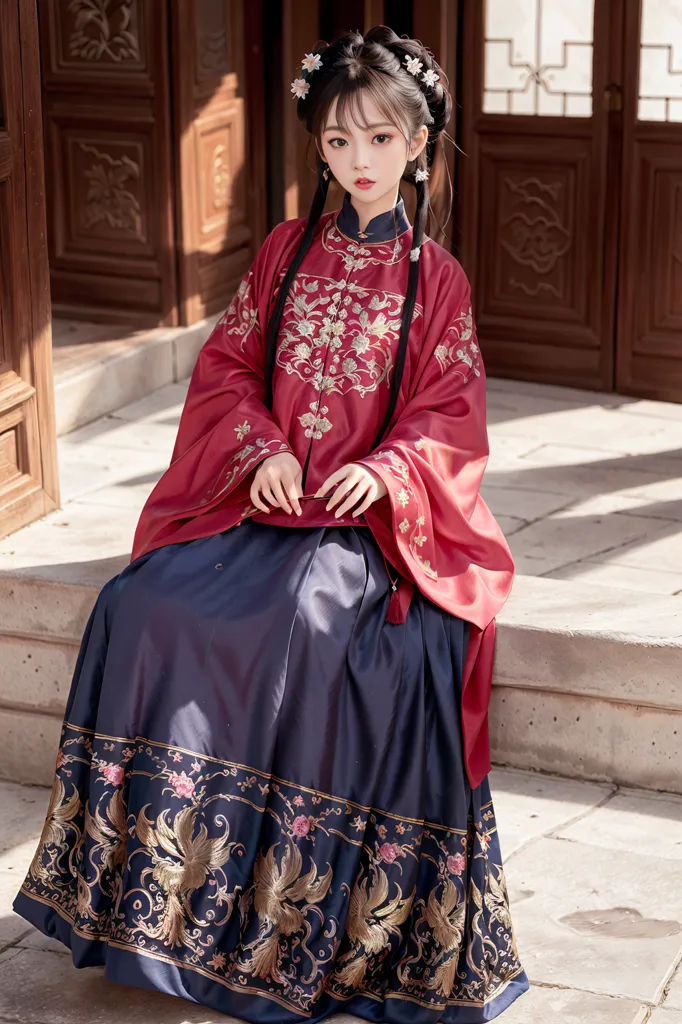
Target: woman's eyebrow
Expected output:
[370,127]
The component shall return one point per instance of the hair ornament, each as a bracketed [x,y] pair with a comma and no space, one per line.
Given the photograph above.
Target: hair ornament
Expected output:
[413,64]
[429,78]
[414,254]
[299,88]
[421,174]
[311,62]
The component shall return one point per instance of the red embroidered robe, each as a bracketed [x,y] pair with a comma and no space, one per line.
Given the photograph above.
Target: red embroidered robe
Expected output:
[337,342]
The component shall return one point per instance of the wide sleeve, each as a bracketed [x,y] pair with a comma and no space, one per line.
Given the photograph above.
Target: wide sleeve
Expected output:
[433,522]
[225,428]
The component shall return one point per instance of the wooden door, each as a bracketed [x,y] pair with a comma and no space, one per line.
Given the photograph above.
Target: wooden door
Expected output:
[538,188]
[214,235]
[109,160]
[28,457]
[649,354]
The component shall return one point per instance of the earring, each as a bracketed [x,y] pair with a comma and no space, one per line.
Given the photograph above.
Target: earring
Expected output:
[325,173]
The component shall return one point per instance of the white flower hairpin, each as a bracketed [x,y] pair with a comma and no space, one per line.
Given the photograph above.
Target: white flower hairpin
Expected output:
[421,174]
[300,87]
[312,62]
[414,66]
[414,254]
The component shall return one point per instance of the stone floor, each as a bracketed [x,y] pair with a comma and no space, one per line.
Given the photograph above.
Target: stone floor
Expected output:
[588,486]
[595,882]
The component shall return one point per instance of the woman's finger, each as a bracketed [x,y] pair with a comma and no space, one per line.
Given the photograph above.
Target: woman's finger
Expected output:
[256,498]
[369,500]
[347,483]
[266,490]
[353,498]
[331,481]
[292,488]
[280,495]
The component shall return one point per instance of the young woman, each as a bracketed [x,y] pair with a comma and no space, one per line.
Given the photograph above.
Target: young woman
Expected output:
[271,792]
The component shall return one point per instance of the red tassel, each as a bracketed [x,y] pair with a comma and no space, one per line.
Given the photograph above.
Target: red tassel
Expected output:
[394,609]
[400,601]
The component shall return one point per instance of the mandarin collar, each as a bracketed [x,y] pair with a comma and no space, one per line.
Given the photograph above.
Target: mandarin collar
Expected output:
[381,228]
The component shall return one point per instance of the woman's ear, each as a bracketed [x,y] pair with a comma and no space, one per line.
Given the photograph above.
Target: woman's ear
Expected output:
[419,140]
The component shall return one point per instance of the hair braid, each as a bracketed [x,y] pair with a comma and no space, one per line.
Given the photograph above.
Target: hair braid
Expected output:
[316,209]
[418,233]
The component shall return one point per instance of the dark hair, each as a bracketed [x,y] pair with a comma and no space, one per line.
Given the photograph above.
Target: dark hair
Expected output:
[375,64]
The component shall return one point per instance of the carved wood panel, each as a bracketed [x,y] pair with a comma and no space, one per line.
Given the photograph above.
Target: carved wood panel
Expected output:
[212,194]
[109,159]
[28,459]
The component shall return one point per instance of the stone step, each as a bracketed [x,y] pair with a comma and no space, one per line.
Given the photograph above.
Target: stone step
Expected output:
[586,680]
[587,684]
[99,367]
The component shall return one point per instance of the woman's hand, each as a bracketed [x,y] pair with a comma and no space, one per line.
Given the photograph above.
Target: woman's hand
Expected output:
[277,479]
[359,485]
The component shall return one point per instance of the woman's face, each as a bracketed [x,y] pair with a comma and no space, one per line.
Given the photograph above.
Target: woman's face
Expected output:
[368,163]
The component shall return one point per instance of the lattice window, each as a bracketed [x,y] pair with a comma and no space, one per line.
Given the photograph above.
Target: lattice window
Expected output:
[538,57]
[660,61]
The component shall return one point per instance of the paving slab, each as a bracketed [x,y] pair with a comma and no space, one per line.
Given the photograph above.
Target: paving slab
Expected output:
[161,406]
[625,577]
[78,544]
[113,432]
[673,999]
[528,805]
[569,535]
[549,1005]
[632,820]
[87,468]
[665,1016]
[12,927]
[662,500]
[662,545]
[22,812]
[577,481]
[603,920]
[528,505]
[39,987]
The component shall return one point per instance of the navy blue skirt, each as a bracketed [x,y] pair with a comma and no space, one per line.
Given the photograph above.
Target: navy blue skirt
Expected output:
[260,801]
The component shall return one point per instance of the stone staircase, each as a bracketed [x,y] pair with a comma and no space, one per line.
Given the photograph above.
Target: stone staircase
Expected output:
[587,678]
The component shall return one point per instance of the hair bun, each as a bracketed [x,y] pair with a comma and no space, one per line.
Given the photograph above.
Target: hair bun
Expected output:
[437,96]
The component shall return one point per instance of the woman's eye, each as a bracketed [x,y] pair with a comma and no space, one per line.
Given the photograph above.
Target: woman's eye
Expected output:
[332,142]
[382,137]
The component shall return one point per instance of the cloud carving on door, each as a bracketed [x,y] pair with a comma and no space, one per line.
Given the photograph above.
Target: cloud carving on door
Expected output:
[532,234]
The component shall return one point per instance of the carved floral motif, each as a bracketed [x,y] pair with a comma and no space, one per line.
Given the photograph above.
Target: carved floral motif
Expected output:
[104,29]
[108,200]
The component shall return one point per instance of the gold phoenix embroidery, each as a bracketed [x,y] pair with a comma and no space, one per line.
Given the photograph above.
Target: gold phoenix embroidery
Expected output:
[226,871]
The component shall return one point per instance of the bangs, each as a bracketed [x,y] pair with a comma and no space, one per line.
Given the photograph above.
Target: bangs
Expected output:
[349,97]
